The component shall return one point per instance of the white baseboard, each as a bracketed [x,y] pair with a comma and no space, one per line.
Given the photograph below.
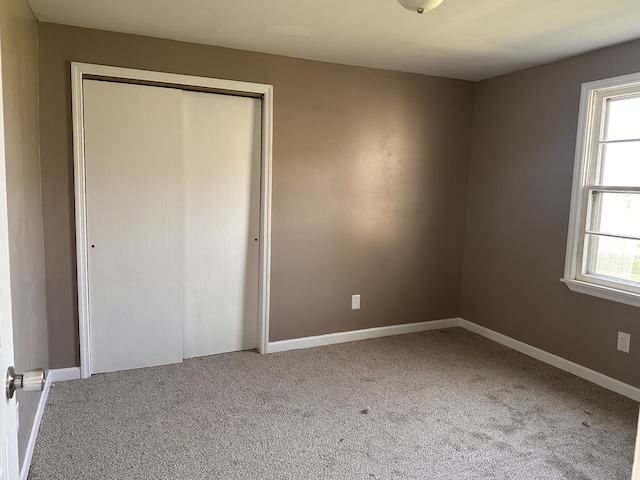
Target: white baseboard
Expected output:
[64,374]
[342,337]
[31,444]
[556,361]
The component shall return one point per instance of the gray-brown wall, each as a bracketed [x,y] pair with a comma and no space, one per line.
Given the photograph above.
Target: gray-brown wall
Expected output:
[369,183]
[370,186]
[18,28]
[519,193]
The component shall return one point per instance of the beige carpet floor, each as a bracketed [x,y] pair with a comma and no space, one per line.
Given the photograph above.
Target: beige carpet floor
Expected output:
[445,404]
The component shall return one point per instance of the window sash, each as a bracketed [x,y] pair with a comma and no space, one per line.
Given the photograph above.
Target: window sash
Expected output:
[590,249]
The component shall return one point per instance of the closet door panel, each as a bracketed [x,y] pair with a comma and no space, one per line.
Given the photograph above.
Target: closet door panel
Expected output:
[222,145]
[135,224]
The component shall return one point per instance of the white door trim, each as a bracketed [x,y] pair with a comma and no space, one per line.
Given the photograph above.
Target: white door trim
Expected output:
[81,70]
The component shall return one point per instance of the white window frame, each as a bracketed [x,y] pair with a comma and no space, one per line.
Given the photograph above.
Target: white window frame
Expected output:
[590,124]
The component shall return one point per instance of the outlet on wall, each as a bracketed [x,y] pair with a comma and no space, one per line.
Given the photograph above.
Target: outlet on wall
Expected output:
[355,302]
[624,341]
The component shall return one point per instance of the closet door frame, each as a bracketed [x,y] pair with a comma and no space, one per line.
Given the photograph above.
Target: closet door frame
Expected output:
[80,71]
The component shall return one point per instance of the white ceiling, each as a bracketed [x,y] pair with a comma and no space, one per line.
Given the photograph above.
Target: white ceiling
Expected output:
[468,39]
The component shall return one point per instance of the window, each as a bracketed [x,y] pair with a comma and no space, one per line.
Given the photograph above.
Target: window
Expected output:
[603,245]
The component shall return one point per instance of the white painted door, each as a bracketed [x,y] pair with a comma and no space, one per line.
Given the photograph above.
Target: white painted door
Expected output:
[135,224]
[221,147]
[9,468]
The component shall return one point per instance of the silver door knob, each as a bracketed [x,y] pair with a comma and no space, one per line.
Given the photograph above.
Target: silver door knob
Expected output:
[31,381]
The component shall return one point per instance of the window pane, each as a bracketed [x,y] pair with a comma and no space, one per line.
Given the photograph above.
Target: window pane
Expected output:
[616,258]
[615,213]
[623,119]
[620,164]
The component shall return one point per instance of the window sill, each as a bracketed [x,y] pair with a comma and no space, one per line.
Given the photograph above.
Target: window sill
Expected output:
[607,293]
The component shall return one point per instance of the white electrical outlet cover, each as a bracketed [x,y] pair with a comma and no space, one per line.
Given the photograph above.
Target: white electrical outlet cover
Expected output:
[355,302]
[624,341]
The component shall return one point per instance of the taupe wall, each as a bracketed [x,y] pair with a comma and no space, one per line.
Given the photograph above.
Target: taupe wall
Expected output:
[369,183]
[18,28]
[519,192]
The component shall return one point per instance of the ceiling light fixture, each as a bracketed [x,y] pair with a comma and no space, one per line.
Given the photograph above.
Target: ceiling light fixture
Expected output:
[420,6]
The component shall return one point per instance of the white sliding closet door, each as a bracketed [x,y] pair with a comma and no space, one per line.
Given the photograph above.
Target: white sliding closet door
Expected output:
[135,224]
[221,146]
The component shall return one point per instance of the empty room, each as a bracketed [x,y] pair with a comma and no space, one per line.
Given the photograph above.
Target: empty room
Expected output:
[375,239]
